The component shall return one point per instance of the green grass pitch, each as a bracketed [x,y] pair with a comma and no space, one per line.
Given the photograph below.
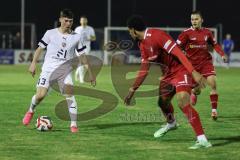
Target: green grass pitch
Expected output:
[124,133]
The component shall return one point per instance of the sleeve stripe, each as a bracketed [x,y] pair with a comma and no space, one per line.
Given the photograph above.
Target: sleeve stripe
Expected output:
[167,44]
[81,49]
[178,41]
[41,41]
[172,47]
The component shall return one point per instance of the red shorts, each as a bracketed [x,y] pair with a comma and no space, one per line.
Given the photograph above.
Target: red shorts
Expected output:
[206,69]
[175,82]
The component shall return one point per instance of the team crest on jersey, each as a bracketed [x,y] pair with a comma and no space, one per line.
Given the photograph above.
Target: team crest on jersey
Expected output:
[205,37]
[64,44]
[151,49]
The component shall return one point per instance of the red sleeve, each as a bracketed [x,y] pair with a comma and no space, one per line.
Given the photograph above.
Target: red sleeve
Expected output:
[182,40]
[215,45]
[218,49]
[166,42]
[142,74]
[182,58]
[211,38]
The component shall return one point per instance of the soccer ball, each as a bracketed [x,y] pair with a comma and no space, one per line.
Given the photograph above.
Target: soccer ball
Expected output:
[44,123]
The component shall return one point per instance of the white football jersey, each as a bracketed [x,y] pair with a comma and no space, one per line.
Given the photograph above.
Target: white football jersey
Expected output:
[60,48]
[86,33]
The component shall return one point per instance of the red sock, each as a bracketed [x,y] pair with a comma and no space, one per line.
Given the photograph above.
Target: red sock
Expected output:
[193,119]
[168,113]
[214,100]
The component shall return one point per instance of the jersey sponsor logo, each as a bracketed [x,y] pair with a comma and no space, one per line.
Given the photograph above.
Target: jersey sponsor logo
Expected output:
[62,53]
[197,46]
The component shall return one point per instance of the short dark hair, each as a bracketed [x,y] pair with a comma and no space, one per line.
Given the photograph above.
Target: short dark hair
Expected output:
[136,22]
[66,13]
[198,13]
[83,16]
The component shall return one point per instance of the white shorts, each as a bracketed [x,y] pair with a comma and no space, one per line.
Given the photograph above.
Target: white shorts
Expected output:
[54,80]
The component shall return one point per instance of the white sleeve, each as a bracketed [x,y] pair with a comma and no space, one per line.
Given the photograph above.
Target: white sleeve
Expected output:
[81,48]
[45,40]
[92,32]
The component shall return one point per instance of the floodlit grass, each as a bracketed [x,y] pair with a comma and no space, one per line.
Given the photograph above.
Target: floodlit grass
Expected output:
[124,133]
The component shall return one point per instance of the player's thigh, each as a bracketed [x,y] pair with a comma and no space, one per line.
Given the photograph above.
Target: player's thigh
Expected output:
[43,84]
[166,93]
[44,79]
[183,84]
[211,80]
[183,98]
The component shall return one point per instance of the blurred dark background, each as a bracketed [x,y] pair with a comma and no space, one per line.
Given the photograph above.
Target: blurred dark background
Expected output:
[172,13]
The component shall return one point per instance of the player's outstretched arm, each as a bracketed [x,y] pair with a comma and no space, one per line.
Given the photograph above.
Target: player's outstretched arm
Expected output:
[220,51]
[217,47]
[142,74]
[32,67]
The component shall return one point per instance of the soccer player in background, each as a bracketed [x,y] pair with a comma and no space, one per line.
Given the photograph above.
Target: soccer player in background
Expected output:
[157,46]
[195,42]
[61,44]
[228,46]
[89,36]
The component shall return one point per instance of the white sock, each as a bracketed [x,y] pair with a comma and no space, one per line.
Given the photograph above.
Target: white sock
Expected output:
[81,73]
[173,124]
[72,108]
[201,138]
[214,110]
[33,104]
[76,75]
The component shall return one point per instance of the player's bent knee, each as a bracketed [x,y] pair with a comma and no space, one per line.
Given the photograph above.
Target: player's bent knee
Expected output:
[163,102]
[68,90]
[183,99]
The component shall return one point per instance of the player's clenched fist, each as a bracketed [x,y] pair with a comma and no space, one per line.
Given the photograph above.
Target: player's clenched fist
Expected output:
[32,69]
[225,59]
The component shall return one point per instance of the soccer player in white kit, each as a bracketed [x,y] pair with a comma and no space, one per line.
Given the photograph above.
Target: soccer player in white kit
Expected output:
[62,45]
[88,35]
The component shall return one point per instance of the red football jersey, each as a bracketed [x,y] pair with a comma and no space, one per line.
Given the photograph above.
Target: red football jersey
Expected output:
[156,46]
[195,43]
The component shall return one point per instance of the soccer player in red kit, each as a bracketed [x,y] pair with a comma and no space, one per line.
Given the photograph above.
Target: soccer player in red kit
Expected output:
[157,46]
[194,41]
